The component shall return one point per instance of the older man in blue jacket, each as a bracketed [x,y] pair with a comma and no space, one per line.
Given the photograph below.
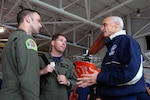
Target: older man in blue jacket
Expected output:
[121,76]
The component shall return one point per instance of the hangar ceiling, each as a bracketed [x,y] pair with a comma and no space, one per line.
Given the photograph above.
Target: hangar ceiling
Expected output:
[79,20]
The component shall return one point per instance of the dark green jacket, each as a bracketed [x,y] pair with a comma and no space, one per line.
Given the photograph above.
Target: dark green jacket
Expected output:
[20,68]
[50,88]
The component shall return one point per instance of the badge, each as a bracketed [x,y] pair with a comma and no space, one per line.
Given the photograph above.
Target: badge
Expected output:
[112,50]
[52,63]
[113,47]
[30,44]
[64,65]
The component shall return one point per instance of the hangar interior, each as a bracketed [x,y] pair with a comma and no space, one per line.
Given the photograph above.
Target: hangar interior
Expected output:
[80,21]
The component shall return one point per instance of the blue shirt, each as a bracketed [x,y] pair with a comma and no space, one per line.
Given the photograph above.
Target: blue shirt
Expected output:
[83,93]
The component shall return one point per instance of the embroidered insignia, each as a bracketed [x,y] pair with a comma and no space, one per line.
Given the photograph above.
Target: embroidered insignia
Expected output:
[111,53]
[30,44]
[112,50]
[113,47]
[64,65]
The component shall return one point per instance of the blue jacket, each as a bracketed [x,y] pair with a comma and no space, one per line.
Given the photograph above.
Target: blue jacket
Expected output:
[122,71]
[144,95]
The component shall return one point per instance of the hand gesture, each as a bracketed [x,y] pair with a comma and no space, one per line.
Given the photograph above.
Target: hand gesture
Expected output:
[88,79]
[49,68]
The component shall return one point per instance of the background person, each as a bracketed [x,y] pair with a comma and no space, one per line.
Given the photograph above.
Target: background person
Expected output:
[83,93]
[0,83]
[145,95]
[20,62]
[121,76]
[58,77]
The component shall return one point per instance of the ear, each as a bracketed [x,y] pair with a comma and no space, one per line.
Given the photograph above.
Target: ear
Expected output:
[28,19]
[117,24]
[52,42]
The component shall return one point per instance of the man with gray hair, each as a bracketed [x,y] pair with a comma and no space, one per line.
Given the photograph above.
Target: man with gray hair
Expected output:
[121,76]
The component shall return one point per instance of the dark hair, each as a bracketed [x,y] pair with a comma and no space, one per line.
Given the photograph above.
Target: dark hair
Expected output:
[55,36]
[23,13]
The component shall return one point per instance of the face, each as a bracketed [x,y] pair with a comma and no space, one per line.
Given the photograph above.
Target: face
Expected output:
[59,45]
[35,23]
[108,27]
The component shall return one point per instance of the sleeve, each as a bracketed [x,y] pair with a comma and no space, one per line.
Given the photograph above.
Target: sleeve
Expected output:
[129,56]
[72,77]
[42,63]
[148,85]
[78,90]
[28,67]
[27,55]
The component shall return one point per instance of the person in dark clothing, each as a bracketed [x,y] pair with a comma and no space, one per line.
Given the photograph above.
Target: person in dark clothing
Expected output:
[83,93]
[145,95]
[121,76]
[0,83]
[92,92]
[20,61]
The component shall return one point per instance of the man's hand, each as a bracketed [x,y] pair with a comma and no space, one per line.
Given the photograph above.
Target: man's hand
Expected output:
[87,79]
[48,68]
[62,79]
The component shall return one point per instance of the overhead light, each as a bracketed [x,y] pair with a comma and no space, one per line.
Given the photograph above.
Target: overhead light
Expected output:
[138,14]
[1,29]
[59,20]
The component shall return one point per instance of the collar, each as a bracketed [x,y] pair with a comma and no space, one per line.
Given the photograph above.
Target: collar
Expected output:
[19,29]
[55,58]
[122,32]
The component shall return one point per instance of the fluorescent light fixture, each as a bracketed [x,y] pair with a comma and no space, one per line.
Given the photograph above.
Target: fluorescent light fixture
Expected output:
[138,14]
[1,29]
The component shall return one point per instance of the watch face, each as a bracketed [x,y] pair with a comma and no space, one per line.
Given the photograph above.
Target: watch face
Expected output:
[68,84]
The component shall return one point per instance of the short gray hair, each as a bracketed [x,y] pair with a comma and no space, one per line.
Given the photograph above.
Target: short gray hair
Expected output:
[118,19]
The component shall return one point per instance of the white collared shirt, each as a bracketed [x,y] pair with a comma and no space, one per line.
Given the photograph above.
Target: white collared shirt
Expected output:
[122,32]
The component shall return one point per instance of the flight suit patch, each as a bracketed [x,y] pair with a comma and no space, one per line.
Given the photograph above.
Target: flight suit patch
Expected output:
[64,65]
[30,44]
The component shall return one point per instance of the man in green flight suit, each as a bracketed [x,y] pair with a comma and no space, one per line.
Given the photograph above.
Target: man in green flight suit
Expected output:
[58,77]
[20,61]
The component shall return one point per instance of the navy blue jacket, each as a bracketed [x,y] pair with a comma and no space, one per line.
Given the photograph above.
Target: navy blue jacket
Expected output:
[144,95]
[122,71]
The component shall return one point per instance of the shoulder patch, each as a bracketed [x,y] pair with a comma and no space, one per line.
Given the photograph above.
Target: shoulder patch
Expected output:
[30,44]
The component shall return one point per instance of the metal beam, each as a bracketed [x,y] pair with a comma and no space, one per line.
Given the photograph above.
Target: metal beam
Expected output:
[112,9]
[16,4]
[40,3]
[142,35]
[1,12]
[99,15]
[70,4]
[141,29]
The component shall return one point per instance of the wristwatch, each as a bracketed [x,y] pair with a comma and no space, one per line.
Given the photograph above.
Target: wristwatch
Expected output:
[68,83]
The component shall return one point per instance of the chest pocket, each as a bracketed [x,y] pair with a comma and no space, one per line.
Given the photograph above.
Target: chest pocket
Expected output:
[63,69]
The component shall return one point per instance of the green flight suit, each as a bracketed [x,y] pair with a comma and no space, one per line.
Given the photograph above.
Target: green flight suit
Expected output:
[50,88]
[20,68]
